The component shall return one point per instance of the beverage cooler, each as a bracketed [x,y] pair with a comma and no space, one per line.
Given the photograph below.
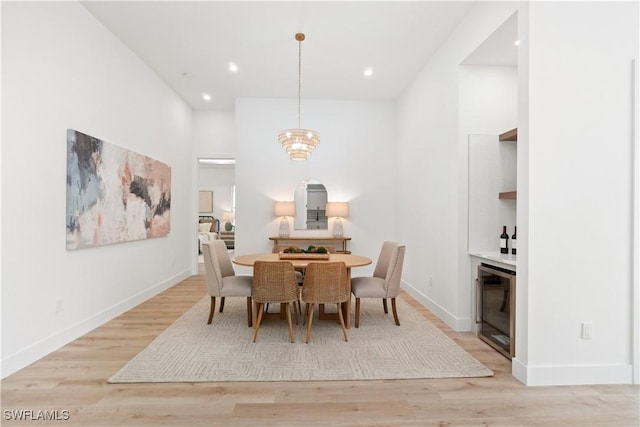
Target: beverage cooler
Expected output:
[495,307]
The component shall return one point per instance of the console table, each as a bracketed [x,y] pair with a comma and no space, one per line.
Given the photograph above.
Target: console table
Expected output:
[304,241]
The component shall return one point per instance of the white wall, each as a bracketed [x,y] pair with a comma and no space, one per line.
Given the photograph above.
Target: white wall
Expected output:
[355,160]
[61,69]
[220,179]
[574,185]
[214,134]
[435,115]
[579,214]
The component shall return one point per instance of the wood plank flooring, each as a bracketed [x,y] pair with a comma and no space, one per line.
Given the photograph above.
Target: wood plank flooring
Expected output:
[74,379]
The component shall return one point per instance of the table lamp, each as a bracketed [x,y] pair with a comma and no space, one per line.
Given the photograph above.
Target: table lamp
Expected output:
[338,210]
[227,217]
[285,209]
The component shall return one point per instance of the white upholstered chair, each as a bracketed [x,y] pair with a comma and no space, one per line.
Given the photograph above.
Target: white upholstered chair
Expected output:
[385,282]
[222,280]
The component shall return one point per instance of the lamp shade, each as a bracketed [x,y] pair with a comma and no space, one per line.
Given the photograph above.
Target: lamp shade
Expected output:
[285,209]
[338,209]
[227,216]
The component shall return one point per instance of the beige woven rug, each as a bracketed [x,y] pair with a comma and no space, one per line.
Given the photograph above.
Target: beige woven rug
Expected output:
[192,351]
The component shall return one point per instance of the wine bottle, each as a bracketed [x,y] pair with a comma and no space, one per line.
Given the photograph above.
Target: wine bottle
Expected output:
[504,241]
[513,241]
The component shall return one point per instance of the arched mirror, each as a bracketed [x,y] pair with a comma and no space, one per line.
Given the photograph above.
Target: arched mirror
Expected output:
[311,201]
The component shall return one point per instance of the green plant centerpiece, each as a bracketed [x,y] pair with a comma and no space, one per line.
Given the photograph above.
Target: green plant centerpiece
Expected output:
[310,250]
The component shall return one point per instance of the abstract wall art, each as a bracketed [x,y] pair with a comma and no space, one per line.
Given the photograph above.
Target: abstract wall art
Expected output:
[114,195]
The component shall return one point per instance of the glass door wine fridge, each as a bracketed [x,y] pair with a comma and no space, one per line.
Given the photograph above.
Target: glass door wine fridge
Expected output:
[495,310]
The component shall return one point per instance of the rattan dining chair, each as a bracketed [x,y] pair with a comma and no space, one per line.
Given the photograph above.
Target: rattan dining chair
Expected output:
[222,280]
[325,283]
[279,248]
[385,282]
[274,282]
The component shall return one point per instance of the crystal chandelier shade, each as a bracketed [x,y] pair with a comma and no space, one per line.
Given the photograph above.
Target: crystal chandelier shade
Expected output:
[299,143]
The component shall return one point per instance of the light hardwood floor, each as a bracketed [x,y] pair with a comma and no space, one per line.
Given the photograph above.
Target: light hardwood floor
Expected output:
[74,379]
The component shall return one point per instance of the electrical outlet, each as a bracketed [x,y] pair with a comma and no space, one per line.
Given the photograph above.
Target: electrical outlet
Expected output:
[587,330]
[431,281]
[58,305]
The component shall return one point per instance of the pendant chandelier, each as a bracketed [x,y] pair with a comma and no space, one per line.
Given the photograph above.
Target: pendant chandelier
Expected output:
[299,143]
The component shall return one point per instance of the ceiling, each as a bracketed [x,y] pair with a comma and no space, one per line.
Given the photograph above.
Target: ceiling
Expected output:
[190,45]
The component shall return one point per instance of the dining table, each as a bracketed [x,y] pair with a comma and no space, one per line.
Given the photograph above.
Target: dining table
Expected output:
[349,260]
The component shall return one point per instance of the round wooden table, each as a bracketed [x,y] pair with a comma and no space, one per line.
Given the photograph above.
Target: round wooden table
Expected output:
[349,260]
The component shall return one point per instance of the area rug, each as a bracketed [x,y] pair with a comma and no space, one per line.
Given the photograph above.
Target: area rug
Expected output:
[192,351]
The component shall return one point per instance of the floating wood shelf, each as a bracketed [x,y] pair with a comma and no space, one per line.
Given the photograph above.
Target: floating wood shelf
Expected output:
[511,135]
[507,195]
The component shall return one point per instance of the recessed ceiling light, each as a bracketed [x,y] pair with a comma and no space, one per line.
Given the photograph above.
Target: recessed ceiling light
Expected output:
[233,67]
[517,43]
[187,75]
[206,96]
[368,72]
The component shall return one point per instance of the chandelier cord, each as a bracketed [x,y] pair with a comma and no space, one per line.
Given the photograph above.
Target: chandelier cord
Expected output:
[299,143]
[299,77]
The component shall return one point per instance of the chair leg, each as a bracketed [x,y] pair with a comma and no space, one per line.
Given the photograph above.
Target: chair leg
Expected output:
[384,304]
[306,313]
[249,313]
[254,314]
[357,323]
[310,307]
[395,313]
[212,310]
[295,310]
[344,329]
[286,307]
[256,327]
[221,304]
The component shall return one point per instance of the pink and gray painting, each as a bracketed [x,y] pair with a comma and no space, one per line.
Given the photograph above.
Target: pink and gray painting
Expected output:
[114,195]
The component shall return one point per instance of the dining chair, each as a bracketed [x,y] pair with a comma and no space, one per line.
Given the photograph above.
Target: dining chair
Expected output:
[274,282]
[325,283]
[385,282]
[279,248]
[222,280]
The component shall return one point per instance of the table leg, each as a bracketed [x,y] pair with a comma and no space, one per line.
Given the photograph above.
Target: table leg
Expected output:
[346,306]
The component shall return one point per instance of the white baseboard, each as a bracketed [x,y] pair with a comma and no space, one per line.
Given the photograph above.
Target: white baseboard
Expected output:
[571,374]
[38,350]
[458,324]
